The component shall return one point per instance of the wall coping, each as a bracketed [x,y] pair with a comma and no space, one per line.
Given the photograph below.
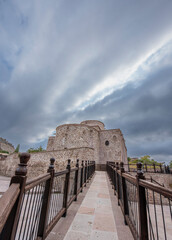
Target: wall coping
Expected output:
[92,121]
[78,125]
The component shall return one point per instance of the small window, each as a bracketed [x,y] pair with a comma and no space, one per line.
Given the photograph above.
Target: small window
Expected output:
[107,143]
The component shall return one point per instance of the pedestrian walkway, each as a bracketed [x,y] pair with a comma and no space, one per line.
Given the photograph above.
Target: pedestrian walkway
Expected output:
[4,184]
[94,219]
[95,215]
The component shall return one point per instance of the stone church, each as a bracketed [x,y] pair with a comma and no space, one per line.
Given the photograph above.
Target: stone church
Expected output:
[106,145]
[88,140]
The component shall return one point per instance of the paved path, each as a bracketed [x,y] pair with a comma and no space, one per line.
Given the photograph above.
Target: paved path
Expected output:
[4,184]
[94,216]
[94,219]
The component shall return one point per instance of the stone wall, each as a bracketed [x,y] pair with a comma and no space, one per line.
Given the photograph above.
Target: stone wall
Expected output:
[39,162]
[94,123]
[86,141]
[161,178]
[112,146]
[6,146]
[165,179]
[108,145]
[50,144]
[75,136]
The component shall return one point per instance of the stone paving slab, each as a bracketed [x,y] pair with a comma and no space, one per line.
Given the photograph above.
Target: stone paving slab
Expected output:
[94,219]
[96,199]
[4,184]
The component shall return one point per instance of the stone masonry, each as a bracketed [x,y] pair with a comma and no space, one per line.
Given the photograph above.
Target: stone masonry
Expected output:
[6,146]
[107,145]
[88,140]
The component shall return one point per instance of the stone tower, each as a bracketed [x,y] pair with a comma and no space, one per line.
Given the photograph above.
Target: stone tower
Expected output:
[106,145]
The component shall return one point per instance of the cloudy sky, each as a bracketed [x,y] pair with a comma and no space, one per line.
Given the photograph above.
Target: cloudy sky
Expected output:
[67,61]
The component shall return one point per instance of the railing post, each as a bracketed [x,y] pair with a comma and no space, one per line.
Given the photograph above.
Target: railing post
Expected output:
[66,188]
[76,179]
[117,181]
[85,174]
[113,174]
[88,171]
[143,226]
[46,201]
[124,193]
[154,167]
[160,168]
[115,178]
[9,230]
[146,167]
[82,175]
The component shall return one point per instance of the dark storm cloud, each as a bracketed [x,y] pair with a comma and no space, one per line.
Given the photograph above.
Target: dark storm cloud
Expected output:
[143,113]
[57,57]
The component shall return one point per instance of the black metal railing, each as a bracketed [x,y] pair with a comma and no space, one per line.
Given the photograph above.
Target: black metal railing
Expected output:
[33,208]
[149,168]
[146,206]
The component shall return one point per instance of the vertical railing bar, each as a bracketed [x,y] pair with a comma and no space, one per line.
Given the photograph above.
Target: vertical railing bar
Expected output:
[39,211]
[26,206]
[33,209]
[20,212]
[66,188]
[59,203]
[137,213]
[130,213]
[149,225]
[57,196]
[52,201]
[141,195]
[150,222]
[35,215]
[170,208]
[46,201]
[82,174]
[134,207]
[135,204]
[30,211]
[36,207]
[155,215]
[55,205]
[75,192]
[163,217]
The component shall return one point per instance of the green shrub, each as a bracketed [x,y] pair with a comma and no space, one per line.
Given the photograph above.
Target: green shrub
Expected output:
[32,150]
[3,151]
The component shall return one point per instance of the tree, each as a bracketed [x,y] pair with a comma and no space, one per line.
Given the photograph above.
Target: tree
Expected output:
[17,148]
[147,160]
[170,164]
[129,159]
